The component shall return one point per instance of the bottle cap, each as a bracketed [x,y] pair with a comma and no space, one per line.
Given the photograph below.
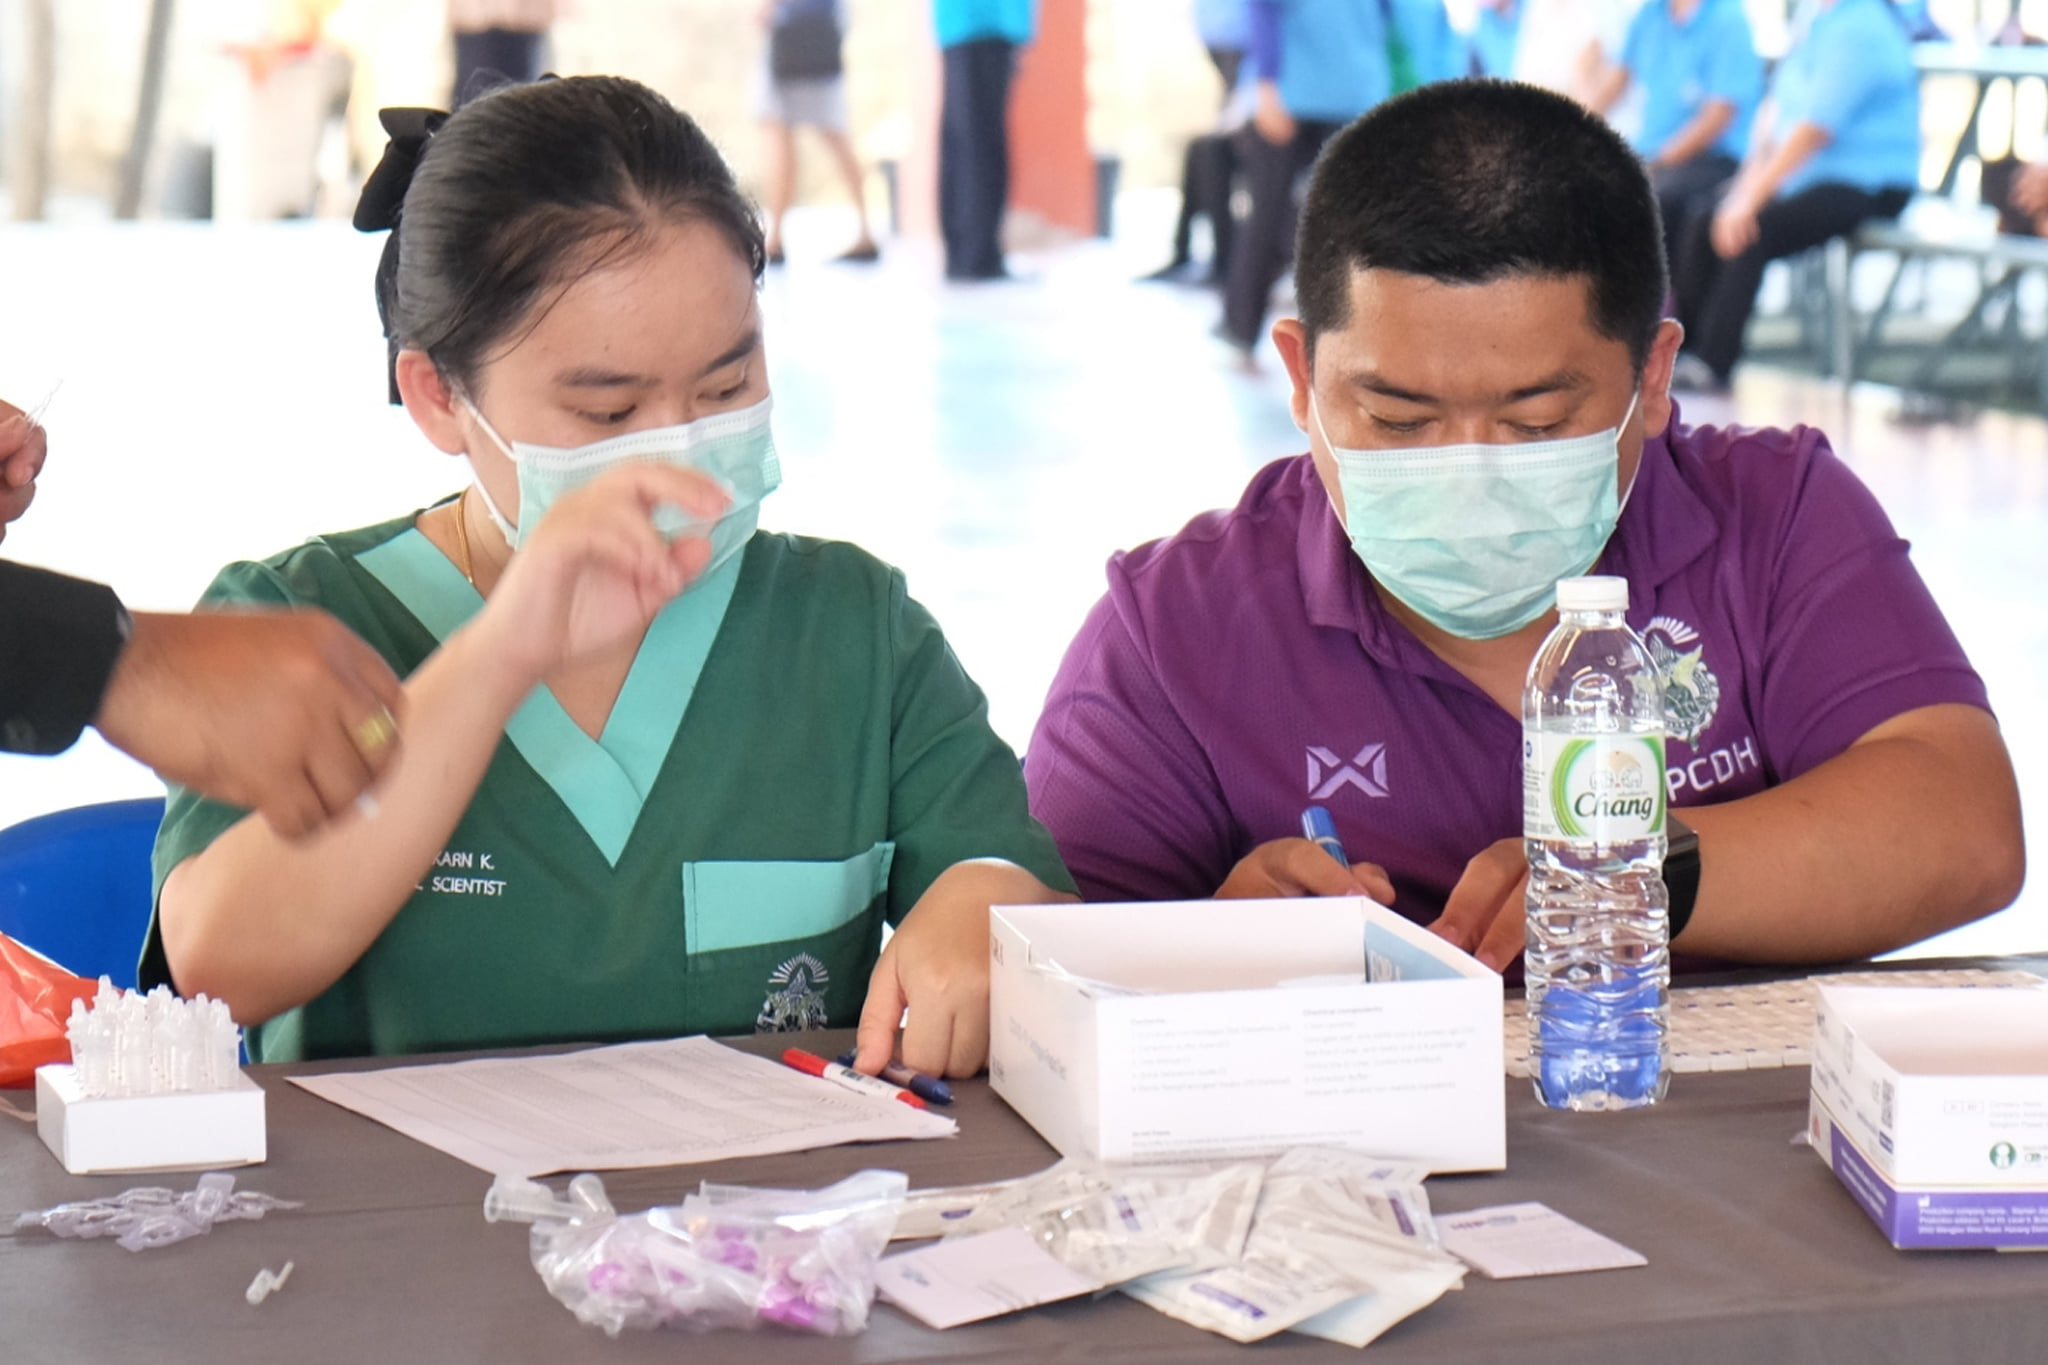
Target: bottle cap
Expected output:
[1597,593]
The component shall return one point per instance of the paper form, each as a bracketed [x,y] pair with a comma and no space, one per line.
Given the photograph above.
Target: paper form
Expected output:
[635,1104]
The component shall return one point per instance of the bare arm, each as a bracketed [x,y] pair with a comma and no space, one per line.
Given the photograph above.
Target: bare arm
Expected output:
[266,925]
[1913,829]
[1735,225]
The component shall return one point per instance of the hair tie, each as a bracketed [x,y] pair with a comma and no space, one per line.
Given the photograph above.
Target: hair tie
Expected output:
[383,196]
[382,203]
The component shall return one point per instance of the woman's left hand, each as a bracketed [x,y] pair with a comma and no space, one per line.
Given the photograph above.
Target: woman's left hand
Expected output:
[596,570]
[936,966]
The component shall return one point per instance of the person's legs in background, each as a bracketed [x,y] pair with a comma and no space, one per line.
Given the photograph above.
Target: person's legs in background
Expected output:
[1685,188]
[778,147]
[1723,292]
[841,148]
[974,156]
[1262,249]
[484,55]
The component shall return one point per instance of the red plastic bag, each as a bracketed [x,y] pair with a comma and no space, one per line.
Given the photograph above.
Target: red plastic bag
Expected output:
[35,1004]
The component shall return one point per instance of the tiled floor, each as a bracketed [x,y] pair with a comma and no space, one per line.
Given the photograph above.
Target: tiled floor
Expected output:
[222,397]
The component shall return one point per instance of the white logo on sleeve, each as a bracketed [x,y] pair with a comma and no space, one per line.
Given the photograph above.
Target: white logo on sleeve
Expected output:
[1328,774]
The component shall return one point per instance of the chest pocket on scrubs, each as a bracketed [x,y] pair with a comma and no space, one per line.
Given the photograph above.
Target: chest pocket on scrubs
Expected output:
[735,904]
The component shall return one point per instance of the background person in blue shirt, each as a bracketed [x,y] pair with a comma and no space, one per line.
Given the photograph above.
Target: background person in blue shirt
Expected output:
[1695,62]
[1837,143]
[978,42]
[1317,65]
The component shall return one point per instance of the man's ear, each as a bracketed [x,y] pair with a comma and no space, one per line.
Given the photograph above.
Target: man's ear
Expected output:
[1663,355]
[1290,338]
[431,402]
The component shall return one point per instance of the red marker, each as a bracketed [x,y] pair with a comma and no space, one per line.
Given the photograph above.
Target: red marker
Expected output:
[813,1065]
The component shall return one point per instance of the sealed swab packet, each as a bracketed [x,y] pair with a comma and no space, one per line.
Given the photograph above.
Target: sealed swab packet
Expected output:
[1115,1223]
[151,1216]
[799,1259]
[1332,1227]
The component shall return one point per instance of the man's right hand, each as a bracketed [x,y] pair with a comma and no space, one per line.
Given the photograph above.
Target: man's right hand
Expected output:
[23,447]
[1298,867]
[286,712]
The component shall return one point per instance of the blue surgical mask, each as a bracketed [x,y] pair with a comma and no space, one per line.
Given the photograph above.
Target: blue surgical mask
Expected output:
[735,448]
[1473,538]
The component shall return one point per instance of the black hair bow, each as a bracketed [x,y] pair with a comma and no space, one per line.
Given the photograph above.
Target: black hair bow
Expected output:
[383,196]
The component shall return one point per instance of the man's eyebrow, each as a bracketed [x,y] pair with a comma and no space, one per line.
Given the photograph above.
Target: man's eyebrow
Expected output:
[1372,381]
[1562,381]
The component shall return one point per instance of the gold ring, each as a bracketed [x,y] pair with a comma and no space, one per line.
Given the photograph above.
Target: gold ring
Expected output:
[375,731]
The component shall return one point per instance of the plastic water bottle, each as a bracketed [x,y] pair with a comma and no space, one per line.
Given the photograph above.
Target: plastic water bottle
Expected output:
[1598,965]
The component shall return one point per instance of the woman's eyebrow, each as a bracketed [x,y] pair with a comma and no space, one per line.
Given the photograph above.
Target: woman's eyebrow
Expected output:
[739,350]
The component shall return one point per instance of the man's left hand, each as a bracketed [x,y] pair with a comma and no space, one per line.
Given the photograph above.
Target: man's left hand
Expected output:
[1484,915]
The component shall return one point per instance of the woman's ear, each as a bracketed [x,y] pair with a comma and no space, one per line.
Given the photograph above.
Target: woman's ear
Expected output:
[431,402]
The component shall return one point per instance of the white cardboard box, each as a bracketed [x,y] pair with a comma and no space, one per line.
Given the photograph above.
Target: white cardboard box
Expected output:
[1234,1028]
[148,1132]
[1938,1087]
[1928,1217]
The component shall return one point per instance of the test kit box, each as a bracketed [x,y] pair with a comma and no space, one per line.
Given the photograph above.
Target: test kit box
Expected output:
[96,1134]
[1930,1105]
[1170,1031]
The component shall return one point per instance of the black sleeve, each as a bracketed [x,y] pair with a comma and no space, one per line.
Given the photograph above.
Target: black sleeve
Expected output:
[59,639]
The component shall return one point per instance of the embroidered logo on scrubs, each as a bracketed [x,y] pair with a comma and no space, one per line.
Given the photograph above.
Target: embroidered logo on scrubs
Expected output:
[796,998]
[1692,694]
[1328,774]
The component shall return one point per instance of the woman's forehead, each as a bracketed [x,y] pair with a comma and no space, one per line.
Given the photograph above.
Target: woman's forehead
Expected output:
[672,302]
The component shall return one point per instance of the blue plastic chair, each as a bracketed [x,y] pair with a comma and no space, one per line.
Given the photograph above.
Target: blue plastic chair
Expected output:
[74,885]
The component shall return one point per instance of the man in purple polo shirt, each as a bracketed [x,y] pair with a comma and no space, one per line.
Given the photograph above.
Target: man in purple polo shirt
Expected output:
[1483,372]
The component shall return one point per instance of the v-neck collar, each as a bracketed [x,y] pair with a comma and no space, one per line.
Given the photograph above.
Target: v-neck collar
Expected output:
[604,782]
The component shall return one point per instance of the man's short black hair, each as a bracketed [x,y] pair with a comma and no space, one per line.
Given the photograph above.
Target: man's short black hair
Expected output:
[1472,181]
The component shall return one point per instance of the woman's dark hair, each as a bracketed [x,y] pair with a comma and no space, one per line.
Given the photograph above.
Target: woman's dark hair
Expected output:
[1472,181]
[498,203]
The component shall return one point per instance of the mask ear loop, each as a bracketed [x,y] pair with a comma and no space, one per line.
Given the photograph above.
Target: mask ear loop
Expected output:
[498,519]
[1626,417]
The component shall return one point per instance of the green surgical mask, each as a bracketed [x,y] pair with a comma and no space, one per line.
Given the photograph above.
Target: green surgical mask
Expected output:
[734,448]
[1474,537]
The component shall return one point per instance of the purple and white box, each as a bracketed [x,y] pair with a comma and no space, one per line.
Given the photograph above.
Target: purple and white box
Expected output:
[1931,1107]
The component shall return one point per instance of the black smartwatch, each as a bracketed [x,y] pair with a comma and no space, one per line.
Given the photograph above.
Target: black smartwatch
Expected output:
[1681,869]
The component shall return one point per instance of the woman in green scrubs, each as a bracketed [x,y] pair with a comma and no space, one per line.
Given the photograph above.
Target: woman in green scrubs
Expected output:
[660,772]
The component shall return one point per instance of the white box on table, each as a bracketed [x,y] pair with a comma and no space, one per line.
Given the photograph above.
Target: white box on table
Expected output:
[1930,1105]
[1939,1085]
[1179,1030]
[96,1134]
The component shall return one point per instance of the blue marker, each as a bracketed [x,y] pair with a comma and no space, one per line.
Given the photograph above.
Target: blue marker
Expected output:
[916,1082]
[1320,829]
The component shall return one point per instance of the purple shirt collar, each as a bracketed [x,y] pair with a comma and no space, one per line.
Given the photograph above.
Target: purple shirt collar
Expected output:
[1664,528]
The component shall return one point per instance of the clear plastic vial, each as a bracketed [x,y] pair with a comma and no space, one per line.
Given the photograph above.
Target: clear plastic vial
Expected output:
[1598,965]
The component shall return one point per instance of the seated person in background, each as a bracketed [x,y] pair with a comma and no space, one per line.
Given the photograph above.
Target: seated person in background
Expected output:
[659,778]
[1695,62]
[1481,369]
[1837,143]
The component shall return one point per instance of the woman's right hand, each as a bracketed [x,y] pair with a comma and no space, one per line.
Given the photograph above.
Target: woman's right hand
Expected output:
[596,571]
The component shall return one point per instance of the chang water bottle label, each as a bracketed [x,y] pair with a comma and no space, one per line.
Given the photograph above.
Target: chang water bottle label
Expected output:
[1608,789]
